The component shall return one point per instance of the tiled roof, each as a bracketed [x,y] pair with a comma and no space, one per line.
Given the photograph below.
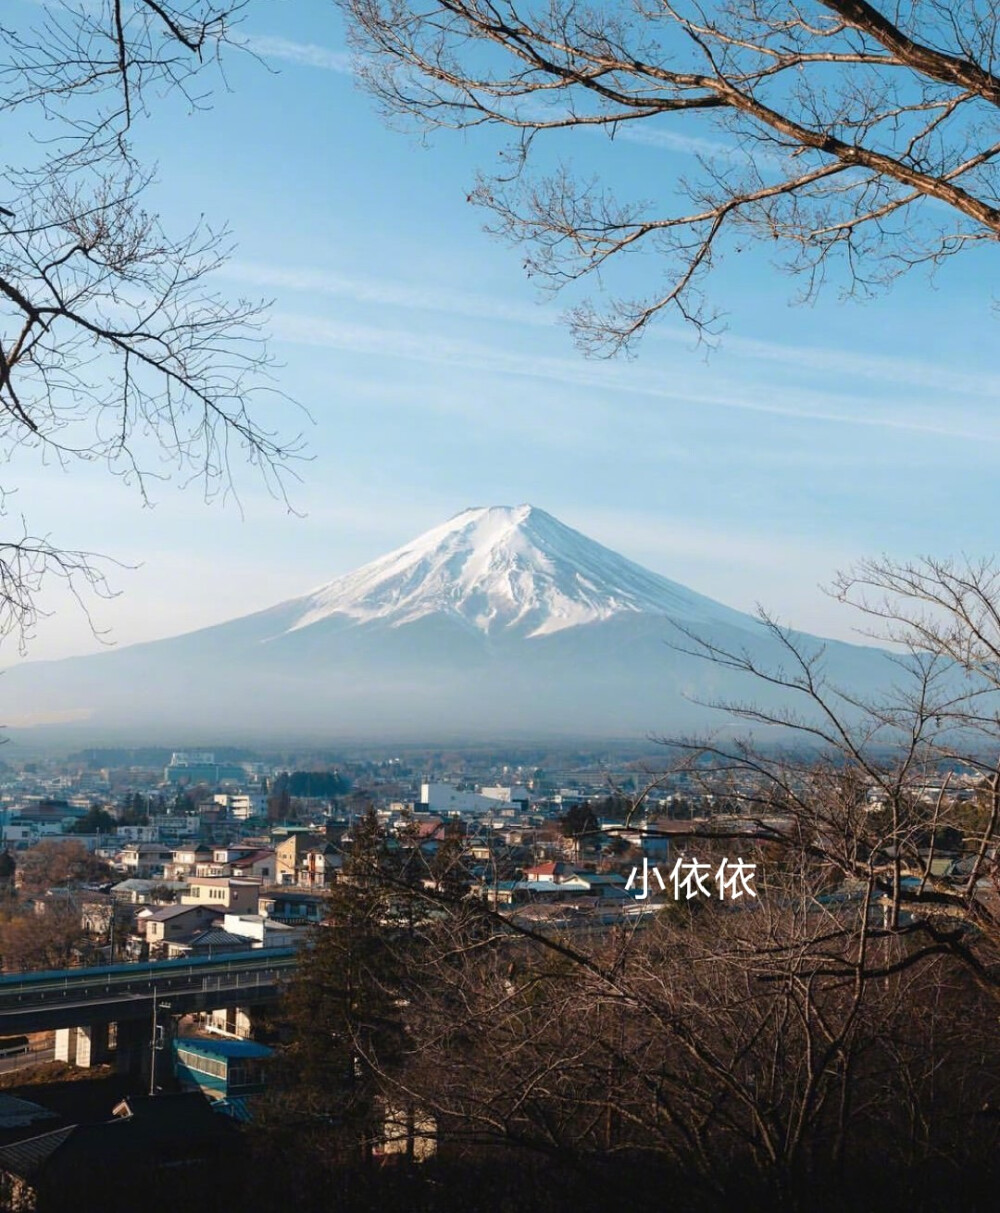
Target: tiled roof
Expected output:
[140,884]
[216,937]
[167,912]
[25,1157]
[553,867]
[252,858]
[218,881]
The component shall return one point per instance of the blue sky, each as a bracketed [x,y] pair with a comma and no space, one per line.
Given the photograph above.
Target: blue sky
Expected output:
[436,377]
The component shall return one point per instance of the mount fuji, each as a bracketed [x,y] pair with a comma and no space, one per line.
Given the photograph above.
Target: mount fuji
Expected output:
[501,622]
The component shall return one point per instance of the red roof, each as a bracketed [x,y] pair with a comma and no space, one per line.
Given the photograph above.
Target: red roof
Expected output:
[551,868]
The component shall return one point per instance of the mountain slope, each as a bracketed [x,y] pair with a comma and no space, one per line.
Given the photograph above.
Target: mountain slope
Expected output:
[500,622]
[505,568]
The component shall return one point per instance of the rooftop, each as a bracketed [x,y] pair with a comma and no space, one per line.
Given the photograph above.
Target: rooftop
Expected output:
[217,937]
[212,1046]
[233,881]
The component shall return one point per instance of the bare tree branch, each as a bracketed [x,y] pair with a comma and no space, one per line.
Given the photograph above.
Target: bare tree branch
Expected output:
[114,347]
[863,136]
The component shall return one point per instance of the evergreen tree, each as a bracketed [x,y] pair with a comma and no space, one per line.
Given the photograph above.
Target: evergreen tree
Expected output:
[279,803]
[97,821]
[8,869]
[447,865]
[134,809]
[579,822]
[184,802]
[344,1003]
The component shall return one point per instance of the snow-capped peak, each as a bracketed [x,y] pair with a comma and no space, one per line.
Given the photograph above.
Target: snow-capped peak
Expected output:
[504,568]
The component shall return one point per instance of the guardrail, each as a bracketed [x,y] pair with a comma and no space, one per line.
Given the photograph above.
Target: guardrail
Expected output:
[18,990]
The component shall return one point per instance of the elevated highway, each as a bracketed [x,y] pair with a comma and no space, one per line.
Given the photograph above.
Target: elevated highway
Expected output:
[67,998]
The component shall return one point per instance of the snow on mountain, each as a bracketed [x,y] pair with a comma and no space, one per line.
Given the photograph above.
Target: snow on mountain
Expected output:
[500,622]
[505,569]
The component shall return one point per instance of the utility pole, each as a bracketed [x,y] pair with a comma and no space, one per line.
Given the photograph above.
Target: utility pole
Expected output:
[156,1043]
[152,1050]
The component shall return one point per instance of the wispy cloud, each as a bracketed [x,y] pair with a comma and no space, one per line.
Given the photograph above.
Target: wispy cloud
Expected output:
[648,132]
[267,46]
[388,294]
[802,404]
[937,376]
[846,364]
[302,54]
[691,145]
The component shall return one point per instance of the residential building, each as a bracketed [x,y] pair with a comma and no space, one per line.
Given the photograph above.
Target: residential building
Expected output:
[145,859]
[294,908]
[263,931]
[307,861]
[140,892]
[220,1068]
[186,860]
[224,894]
[171,923]
[213,941]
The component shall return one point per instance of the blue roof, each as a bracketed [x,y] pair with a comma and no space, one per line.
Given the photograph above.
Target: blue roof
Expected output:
[238,1109]
[222,1047]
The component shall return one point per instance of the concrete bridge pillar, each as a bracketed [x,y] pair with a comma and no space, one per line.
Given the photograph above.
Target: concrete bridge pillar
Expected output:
[243,1018]
[231,1021]
[66,1045]
[92,1045]
[84,1046]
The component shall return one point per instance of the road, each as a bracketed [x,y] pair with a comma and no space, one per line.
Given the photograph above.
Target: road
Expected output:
[33,1058]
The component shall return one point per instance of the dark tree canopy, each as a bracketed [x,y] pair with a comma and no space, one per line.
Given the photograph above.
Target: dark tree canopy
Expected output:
[579,821]
[838,129]
[316,783]
[97,821]
[8,868]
